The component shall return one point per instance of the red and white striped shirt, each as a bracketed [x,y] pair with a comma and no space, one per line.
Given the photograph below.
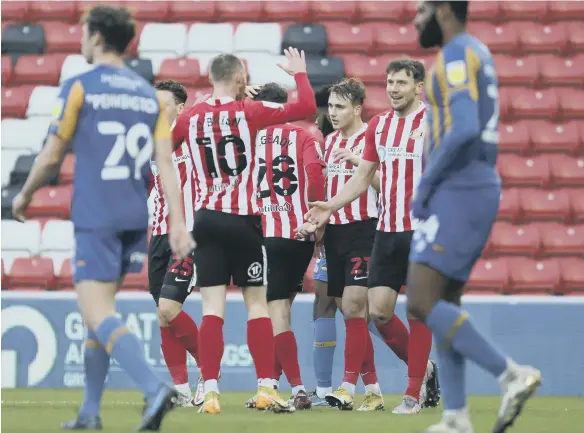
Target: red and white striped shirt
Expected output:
[221,132]
[283,153]
[338,174]
[184,170]
[397,143]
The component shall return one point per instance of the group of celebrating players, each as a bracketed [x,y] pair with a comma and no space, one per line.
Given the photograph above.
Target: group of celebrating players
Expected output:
[263,197]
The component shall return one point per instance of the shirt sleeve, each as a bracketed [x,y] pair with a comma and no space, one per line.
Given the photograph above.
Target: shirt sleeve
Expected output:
[66,110]
[180,130]
[162,128]
[312,151]
[370,150]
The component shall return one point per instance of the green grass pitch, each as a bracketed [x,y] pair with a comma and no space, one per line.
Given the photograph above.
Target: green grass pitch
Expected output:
[34,411]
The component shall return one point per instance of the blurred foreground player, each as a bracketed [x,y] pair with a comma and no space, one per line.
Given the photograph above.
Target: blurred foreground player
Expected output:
[221,135]
[170,278]
[114,121]
[457,201]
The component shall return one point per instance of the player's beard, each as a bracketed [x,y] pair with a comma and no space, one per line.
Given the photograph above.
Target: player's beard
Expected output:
[431,35]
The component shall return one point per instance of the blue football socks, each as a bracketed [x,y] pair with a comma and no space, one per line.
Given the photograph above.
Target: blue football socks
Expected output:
[451,325]
[127,351]
[451,371]
[96,361]
[325,342]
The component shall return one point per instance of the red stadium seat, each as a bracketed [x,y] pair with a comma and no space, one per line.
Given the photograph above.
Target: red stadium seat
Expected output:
[6,70]
[369,69]
[381,11]
[409,11]
[484,11]
[395,38]
[514,137]
[150,11]
[577,205]
[65,277]
[132,49]
[333,10]
[16,11]
[536,37]
[39,69]
[137,281]
[554,137]
[187,71]
[504,104]
[67,169]
[534,277]
[312,128]
[52,201]
[509,209]
[348,38]
[571,102]
[195,94]
[376,101]
[248,11]
[499,38]
[557,71]
[521,10]
[545,205]
[15,100]
[575,34]
[278,11]
[62,37]
[567,170]
[5,278]
[572,269]
[512,239]
[559,239]
[32,273]
[527,103]
[490,276]
[565,10]
[193,11]
[64,11]
[517,70]
[524,171]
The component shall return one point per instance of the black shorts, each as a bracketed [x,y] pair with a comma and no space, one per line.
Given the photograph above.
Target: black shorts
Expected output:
[389,259]
[348,248]
[229,247]
[168,278]
[288,261]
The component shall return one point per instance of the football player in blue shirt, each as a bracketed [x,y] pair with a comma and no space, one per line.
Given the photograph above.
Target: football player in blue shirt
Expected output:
[113,121]
[457,201]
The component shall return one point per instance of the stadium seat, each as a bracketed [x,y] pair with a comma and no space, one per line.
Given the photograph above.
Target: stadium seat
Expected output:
[562,240]
[565,10]
[509,209]
[9,157]
[297,11]
[504,104]
[149,10]
[142,67]
[137,281]
[376,102]
[15,100]
[519,171]
[489,276]
[61,37]
[520,10]
[5,278]
[23,39]
[42,101]
[343,37]
[308,37]
[32,273]
[545,205]
[395,38]
[38,69]
[210,38]
[248,11]
[186,71]
[65,11]
[21,169]
[537,37]
[18,238]
[333,10]
[65,276]
[369,69]
[163,38]
[15,10]
[553,137]
[192,11]
[132,49]
[575,34]
[323,71]
[264,69]
[57,241]
[380,11]
[577,205]
[8,195]
[514,137]
[558,71]
[529,103]
[571,102]
[533,277]
[67,169]
[52,201]
[258,37]
[484,11]
[195,94]
[572,269]
[6,70]
[25,134]
[517,70]
[499,38]
[512,239]
[74,64]
[567,170]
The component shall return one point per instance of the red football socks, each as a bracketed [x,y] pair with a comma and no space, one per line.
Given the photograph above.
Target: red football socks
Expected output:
[211,346]
[260,341]
[368,372]
[395,334]
[418,355]
[357,333]
[185,329]
[287,355]
[175,356]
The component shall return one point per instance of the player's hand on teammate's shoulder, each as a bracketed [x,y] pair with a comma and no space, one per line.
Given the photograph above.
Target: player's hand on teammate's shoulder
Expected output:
[296,61]
[252,91]
[345,155]
[181,241]
[19,205]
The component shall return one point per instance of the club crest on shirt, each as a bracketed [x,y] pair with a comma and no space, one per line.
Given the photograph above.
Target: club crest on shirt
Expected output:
[456,73]
[417,134]
[381,153]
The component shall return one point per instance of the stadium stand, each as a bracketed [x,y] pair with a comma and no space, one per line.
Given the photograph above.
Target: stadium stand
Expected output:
[537,245]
